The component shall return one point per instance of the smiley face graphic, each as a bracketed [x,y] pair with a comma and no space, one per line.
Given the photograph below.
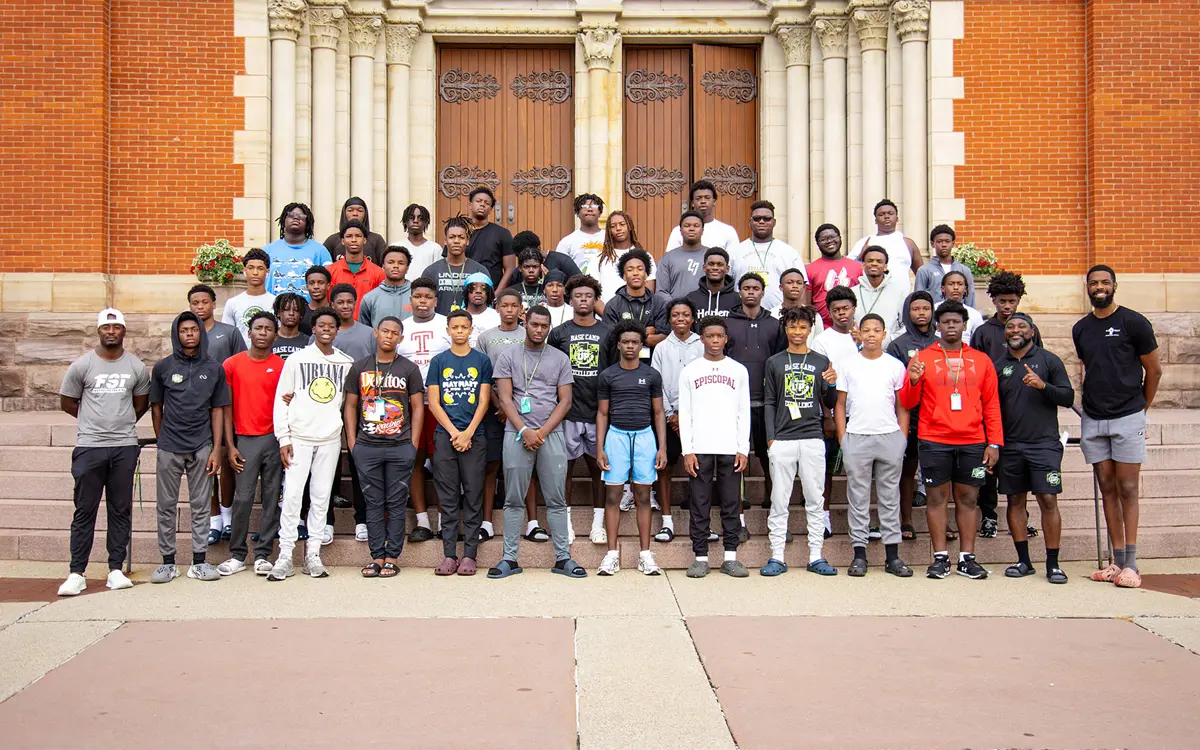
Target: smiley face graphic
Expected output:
[322,390]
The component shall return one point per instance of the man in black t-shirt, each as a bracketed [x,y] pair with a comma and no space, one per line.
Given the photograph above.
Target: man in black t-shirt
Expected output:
[491,244]
[1120,377]
[629,402]
[584,340]
[384,415]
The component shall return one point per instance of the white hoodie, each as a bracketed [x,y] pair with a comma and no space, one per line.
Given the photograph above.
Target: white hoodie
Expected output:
[714,408]
[317,381]
[886,301]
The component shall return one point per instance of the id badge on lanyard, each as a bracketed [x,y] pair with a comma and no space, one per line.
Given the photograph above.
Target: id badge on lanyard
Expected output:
[526,404]
[955,401]
[794,410]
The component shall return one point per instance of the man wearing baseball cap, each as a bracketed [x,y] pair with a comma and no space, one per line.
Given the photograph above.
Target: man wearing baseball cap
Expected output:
[107,390]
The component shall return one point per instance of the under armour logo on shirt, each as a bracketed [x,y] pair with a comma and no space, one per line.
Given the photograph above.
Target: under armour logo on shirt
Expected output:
[641,381]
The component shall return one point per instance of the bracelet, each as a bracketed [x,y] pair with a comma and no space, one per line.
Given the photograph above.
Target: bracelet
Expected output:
[521,431]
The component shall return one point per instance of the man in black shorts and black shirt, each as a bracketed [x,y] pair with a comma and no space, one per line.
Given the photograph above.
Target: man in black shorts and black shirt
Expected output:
[1032,383]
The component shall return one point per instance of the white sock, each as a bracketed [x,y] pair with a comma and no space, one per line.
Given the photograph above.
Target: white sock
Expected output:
[963,555]
[702,558]
[668,522]
[226,516]
[730,555]
[612,553]
[597,518]
[214,522]
[742,518]
[487,526]
[439,522]
[423,520]
[828,526]
[813,555]
[645,553]
[943,553]
[530,526]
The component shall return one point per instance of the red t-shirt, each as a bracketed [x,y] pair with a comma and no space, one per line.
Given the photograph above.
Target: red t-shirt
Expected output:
[368,277]
[252,388]
[825,274]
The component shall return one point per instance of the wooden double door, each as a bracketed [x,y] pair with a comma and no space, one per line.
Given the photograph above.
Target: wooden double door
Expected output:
[689,113]
[506,119]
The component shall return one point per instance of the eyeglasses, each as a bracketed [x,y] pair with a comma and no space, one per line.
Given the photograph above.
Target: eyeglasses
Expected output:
[761,219]
[589,205]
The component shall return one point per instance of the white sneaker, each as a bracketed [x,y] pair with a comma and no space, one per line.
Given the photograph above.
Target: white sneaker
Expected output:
[599,535]
[360,533]
[314,567]
[75,585]
[713,536]
[627,503]
[282,569]
[262,567]
[327,536]
[611,564]
[654,499]
[647,565]
[232,566]
[117,580]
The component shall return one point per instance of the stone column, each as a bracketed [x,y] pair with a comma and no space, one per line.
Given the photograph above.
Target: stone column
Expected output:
[364,35]
[797,43]
[284,20]
[912,23]
[400,40]
[871,23]
[599,46]
[833,34]
[325,26]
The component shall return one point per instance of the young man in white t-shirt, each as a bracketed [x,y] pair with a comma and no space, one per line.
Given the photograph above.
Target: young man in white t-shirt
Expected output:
[241,308]
[425,252]
[873,440]
[702,198]
[586,242]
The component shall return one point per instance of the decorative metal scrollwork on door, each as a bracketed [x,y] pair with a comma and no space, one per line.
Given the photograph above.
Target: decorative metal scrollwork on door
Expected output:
[457,181]
[552,86]
[553,181]
[738,180]
[642,182]
[456,86]
[739,85]
[643,86]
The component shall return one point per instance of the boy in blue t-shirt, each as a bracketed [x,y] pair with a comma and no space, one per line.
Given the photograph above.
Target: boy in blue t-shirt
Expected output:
[294,252]
[459,387]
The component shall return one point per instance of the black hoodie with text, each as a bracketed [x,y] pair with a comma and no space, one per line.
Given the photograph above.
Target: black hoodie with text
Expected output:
[189,388]
[752,341]
[376,244]
[905,346]
[708,302]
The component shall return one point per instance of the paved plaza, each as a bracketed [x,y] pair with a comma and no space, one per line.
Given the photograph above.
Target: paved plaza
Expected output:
[623,662]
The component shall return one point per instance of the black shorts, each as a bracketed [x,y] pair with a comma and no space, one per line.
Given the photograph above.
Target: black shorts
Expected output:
[961,464]
[1031,467]
[911,447]
[833,457]
[674,447]
[493,433]
[758,431]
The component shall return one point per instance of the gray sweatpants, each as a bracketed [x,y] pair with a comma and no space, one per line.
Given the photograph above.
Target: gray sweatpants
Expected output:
[878,457]
[261,454]
[551,462]
[171,468]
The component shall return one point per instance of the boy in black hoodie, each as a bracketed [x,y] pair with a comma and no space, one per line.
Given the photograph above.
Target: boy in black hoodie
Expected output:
[717,294]
[355,209]
[635,302]
[754,337]
[187,394]
[918,334]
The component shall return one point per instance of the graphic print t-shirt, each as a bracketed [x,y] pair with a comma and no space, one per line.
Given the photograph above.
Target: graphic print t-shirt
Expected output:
[450,292]
[458,380]
[384,391]
[105,389]
[285,346]
[241,308]
[585,347]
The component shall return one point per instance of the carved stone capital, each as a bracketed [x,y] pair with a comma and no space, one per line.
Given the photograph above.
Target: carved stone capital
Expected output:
[364,34]
[400,40]
[797,44]
[599,45]
[871,22]
[283,17]
[325,26]
[912,20]
[833,33]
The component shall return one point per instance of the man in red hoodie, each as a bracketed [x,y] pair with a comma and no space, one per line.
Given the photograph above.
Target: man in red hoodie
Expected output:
[960,433]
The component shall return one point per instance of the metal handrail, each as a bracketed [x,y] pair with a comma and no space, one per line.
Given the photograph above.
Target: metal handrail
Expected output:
[1103,550]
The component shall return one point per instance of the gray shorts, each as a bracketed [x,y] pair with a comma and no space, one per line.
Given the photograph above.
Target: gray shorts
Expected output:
[1122,440]
[581,438]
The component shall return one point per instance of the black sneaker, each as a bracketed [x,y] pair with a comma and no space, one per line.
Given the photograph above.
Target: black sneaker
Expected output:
[987,529]
[420,534]
[971,569]
[940,567]
[828,532]
[743,535]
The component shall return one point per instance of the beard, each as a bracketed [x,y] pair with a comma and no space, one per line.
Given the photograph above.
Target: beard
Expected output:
[1016,343]
[1100,301]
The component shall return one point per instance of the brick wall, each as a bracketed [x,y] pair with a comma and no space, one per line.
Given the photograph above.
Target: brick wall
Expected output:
[173,118]
[1024,118]
[54,137]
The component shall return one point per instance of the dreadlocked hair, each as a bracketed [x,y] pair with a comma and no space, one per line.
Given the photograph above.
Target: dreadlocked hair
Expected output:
[609,252]
[459,221]
[309,222]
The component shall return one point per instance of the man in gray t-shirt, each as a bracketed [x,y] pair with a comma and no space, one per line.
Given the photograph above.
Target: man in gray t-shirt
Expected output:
[107,390]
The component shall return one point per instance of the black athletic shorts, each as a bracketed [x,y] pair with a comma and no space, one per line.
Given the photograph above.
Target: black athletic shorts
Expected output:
[911,447]
[493,433]
[1031,467]
[833,457]
[961,464]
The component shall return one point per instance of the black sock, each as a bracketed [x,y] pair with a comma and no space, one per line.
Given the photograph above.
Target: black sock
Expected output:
[197,558]
[860,553]
[1023,552]
[891,551]
[168,559]
[561,564]
[1051,557]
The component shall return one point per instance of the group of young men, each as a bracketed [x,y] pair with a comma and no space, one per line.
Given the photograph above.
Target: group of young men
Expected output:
[502,365]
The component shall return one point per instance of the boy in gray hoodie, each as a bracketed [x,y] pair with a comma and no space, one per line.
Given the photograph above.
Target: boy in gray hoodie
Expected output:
[393,296]
[941,262]
[674,353]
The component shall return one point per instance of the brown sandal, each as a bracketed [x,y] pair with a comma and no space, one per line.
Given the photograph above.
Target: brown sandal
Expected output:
[448,567]
[466,567]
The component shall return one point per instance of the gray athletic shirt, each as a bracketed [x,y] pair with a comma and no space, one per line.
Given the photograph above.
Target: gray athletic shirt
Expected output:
[105,389]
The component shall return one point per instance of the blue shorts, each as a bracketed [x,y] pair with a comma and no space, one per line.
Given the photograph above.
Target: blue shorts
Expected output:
[630,456]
